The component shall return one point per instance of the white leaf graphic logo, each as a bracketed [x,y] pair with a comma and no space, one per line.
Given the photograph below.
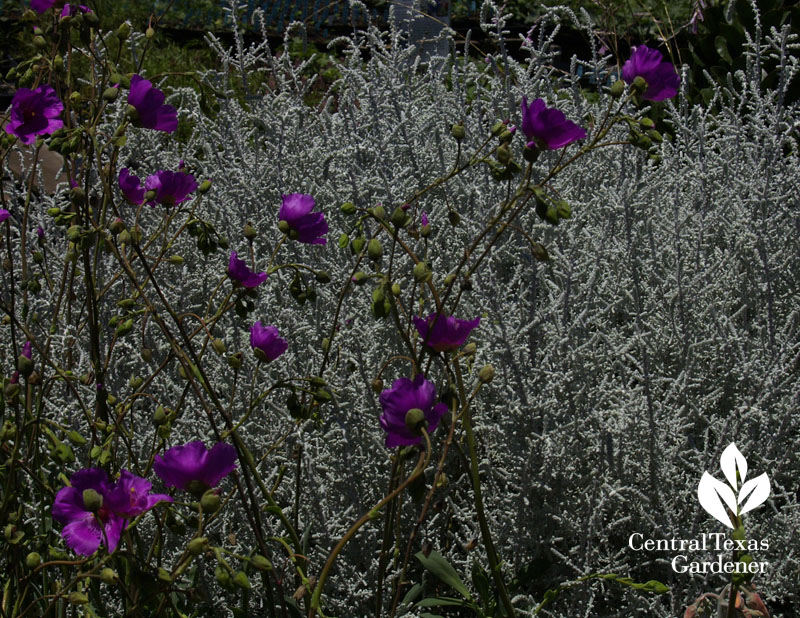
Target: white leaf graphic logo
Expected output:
[711,494]
[715,496]
[730,460]
[758,490]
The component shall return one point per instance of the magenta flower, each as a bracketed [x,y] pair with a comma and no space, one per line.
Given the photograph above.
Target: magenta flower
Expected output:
[444,333]
[238,271]
[86,528]
[131,187]
[40,6]
[424,219]
[170,187]
[406,395]
[27,350]
[131,495]
[70,10]
[309,227]
[191,464]
[4,214]
[34,112]
[266,342]
[39,231]
[659,75]
[151,111]
[547,127]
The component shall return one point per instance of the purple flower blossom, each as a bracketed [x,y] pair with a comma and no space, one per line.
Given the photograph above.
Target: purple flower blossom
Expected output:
[39,231]
[170,187]
[70,10]
[444,333]
[86,529]
[4,214]
[310,227]
[131,187]
[238,271]
[40,6]
[34,112]
[151,111]
[131,496]
[424,218]
[406,395]
[183,466]
[660,76]
[547,127]
[267,342]
[27,350]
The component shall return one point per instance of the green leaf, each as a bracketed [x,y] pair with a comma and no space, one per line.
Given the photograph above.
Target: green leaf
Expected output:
[412,594]
[441,568]
[442,602]
[722,49]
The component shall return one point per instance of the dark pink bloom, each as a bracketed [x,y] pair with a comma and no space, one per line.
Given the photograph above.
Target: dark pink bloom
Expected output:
[238,271]
[26,350]
[660,76]
[131,187]
[424,219]
[267,340]
[34,112]
[70,10]
[39,232]
[151,111]
[191,463]
[40,6]
[4,214]
[170,187]
[310,227]
[443,333]
[131,496]
[85,530]
[406,395]
[547,127]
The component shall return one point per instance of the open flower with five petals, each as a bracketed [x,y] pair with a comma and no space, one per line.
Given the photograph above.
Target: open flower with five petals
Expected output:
[300,223]
[548,128]
[659,76]
[444,333]
[404,396]
[194,468]
[35,112]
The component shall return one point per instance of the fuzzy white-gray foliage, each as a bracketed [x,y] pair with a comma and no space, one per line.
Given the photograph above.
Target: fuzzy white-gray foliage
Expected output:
[664,327]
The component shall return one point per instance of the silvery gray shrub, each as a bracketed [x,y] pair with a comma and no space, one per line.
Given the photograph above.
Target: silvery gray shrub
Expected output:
[664,326]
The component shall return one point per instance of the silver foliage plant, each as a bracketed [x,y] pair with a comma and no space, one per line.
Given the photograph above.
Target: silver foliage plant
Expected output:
[664,326]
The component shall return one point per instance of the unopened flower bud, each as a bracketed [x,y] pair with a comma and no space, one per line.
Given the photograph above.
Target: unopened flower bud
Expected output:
[399,217]
[470,348]
[396,289]
[448,280]
[92,501]
[486,374]
[116,226]
[108,575]
[204,186]
[110,94]
[422,274]
[284,226]
[133,114]
[149,196]
[77,194]
[503,154]
[530,154]
[348,208]
[379,212]
[91,18]
[78,598]
[240,579]
[249,232]
[33,560]
[261,563]
[124,237]
[24,365]
[617,88]
[149,33]
[326,344]
[210,502]
[137,235]
[415,420]
[235,361]
[655,136]
[322,276]
[197,546]
[374,249]
[124,31]
[377,386]
[454,218]
[458,131]
[498,128]
[177,260]
[563,209]
[160,416]
[360,278]
[639,84]
[506,137]
[39,42]
[54,212]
